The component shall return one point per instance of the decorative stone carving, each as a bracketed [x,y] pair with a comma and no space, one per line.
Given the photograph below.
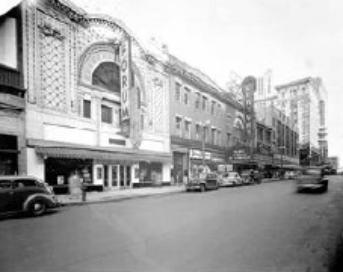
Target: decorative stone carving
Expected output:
[158,82]
[47,30]
[52,67]
[73,15]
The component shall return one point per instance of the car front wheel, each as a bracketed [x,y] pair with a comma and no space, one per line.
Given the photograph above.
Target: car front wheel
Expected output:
[37,208]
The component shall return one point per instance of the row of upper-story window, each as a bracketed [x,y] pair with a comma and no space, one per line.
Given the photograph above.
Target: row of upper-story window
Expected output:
[185,95]
[110,112]
[210,134]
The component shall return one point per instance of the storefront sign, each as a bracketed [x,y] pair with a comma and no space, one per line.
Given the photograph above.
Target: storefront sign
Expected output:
[225,167]
[240,154]
[195,154]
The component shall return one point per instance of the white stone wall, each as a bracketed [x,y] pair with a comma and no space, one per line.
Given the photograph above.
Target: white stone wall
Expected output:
[54,50]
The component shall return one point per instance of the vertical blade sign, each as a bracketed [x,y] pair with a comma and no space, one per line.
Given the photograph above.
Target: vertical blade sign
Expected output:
[125,82]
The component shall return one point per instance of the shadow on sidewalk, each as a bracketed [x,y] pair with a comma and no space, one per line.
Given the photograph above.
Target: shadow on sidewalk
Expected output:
[336,263]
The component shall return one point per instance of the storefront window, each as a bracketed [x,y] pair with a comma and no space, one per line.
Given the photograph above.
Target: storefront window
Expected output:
[8,155]
[150,172]
[58,171]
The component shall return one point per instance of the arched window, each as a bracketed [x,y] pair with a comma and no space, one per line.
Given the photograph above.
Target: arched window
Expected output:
[107,76]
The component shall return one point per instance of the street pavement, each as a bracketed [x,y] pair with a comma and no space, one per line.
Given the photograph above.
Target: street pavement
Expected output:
[265,227]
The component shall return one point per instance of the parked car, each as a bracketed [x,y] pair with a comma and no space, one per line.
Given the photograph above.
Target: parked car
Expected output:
[312,179]
[203,183]
[230,179]
[25,194]
[290,175]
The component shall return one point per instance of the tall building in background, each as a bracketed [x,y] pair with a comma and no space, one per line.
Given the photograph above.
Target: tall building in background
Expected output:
[305,102]
[284,133]
[333,162]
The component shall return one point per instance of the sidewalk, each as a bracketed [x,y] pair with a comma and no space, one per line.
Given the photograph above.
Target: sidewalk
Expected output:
[118,195]
[266,180]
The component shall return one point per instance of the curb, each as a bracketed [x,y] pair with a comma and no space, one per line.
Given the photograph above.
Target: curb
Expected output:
[117,199]
[271,180]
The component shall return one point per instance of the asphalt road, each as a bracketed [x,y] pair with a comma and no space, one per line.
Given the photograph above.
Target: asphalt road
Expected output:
[266,227]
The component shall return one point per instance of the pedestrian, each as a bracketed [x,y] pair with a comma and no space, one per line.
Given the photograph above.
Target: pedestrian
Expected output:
[185,177]
[83,190]
[251,176]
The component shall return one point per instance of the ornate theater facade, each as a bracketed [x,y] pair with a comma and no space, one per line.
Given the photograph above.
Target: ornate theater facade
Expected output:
[97,101]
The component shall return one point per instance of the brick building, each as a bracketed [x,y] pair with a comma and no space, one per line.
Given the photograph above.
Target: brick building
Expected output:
[199,126]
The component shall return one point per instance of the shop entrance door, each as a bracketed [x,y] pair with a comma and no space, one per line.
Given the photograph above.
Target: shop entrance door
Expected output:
[99,174]
[115,175]
[128,176]
[121,176]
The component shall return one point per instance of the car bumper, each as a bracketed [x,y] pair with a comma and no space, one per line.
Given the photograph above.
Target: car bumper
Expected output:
[226,184]
[310,186]
[192,186]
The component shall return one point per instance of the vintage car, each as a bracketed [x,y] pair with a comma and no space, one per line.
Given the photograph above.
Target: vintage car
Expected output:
[25,194]
[203,182]
[230,179]
[312,179]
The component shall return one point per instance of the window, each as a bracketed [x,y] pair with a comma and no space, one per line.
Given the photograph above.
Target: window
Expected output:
[219,110]
[213,136]
[86,108]
[107,76]
[187,129]
[5,184]
[204,103]
[8,42]
[197,131]
[206,134]
[178,121]
[186,96]
[177,91]
[219,137]
[197,100]
[228,139]
[213,105]
[19,183]
[106,114]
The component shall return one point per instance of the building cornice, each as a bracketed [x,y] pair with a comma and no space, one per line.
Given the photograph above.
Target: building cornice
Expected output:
[294,83]
[178,70]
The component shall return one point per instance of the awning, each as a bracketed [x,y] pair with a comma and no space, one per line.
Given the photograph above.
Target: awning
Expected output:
[291,167]
[99,153]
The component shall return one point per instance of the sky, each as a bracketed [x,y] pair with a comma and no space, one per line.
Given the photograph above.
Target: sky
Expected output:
[294,39]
